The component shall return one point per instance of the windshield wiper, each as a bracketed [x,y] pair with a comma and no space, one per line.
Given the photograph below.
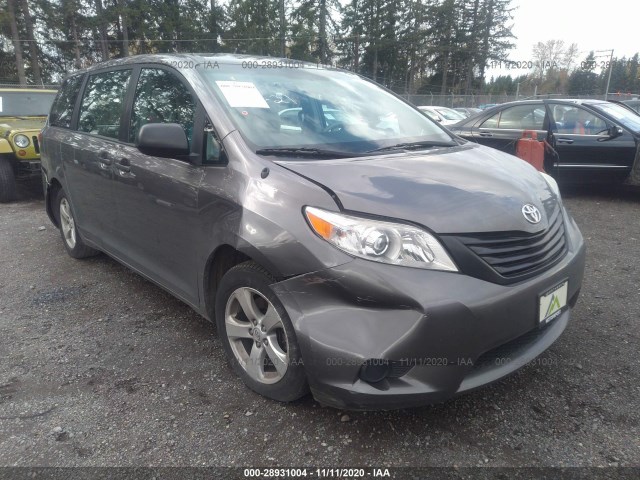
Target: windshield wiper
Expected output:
[305,152]
[414,146]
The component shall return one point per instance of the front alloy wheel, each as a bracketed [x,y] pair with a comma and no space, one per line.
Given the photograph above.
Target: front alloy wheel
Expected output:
[257,334]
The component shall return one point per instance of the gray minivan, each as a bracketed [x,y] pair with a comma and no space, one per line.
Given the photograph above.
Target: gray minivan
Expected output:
[342,242]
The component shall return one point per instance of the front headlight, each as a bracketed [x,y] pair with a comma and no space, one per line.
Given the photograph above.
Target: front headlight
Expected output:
[21,141]
[380,241]
[552,184]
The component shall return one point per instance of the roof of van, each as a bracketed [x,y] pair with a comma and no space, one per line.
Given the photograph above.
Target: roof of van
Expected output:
[188,60]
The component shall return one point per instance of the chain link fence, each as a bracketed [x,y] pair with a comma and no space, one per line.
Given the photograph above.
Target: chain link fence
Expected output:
[452,100]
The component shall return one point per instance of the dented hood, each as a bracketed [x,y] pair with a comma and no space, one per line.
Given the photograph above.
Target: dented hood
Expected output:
[463,189]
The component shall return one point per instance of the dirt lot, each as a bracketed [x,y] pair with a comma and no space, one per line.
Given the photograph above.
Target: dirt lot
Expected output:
[100,367]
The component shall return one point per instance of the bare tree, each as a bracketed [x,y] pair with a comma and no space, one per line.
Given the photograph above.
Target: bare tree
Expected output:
[548,56]
[570,56]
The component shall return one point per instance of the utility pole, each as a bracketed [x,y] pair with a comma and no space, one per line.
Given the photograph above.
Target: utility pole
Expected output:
[606,90]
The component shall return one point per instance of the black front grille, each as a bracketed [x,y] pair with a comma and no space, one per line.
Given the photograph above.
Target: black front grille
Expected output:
[36,144]
[513,254]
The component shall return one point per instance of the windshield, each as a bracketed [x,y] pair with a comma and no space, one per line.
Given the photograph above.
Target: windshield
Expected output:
[310,107]
[25,104]
[450,114]
[622,114]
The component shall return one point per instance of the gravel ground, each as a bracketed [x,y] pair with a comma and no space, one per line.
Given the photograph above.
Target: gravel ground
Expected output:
[100,367]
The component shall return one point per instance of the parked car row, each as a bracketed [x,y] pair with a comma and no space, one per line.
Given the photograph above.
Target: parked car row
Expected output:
[342,242]
[467,112]
[443,115]
[589,139]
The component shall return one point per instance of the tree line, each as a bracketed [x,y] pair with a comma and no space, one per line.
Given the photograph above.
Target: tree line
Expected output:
[410,46]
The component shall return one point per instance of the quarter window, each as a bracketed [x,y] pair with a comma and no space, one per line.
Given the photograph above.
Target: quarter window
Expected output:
[161,98]
[62,109]
[491,122]
[103,103]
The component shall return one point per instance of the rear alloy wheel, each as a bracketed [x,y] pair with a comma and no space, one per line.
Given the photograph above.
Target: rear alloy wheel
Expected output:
[73,243]
[257,334]
[7,181]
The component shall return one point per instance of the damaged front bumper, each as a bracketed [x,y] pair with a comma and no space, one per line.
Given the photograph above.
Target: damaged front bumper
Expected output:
[437,333]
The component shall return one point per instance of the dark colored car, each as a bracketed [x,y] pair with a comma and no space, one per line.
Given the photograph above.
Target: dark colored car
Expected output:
[591,139]
[369,255]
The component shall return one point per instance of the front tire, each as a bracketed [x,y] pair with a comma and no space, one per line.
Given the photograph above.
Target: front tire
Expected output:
[8,190]
[71,238]
[257,334]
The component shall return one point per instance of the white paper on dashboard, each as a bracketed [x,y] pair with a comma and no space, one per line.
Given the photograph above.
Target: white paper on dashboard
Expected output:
[242,94]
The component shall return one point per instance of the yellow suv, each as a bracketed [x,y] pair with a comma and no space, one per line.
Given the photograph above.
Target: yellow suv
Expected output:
[23,112]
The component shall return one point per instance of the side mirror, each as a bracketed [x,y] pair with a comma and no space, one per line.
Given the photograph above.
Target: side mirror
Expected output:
[163,140]
[615,131]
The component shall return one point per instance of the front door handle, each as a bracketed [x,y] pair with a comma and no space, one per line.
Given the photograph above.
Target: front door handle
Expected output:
[564,140]
[124,166]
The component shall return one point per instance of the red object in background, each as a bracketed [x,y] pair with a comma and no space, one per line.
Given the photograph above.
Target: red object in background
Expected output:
[529,149]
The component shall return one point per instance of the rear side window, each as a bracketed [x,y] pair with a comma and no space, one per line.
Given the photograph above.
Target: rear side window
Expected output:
[103,103]
[62,108]
[161,98]
[523,117]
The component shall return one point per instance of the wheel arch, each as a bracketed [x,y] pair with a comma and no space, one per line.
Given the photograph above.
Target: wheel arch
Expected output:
[51,191]
[220,261]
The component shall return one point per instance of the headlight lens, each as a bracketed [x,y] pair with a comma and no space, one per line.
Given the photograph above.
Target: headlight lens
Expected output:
[21,141]
[552,184]
[380,241]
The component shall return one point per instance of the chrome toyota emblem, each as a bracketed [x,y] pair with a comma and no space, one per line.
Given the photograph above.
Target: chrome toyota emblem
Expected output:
[531,213]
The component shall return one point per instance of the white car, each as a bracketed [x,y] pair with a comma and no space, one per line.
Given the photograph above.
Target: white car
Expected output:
[444,115]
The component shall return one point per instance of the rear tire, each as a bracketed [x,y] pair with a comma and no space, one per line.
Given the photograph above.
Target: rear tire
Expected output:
[7,181]
[71,238]
[257,334]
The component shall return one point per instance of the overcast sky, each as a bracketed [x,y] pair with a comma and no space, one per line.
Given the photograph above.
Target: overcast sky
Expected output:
[598,25]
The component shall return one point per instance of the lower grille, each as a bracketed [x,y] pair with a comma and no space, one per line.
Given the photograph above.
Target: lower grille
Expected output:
[513,254]
[503,354]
